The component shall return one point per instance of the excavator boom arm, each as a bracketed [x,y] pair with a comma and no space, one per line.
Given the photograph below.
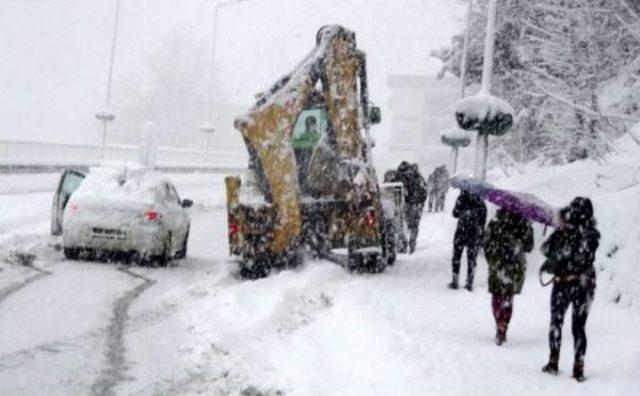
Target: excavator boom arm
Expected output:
[268,127]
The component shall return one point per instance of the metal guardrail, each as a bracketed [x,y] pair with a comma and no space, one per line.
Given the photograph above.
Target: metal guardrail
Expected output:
[40,155]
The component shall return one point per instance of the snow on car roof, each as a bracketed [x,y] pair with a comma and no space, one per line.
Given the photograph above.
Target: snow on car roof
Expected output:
[128,183]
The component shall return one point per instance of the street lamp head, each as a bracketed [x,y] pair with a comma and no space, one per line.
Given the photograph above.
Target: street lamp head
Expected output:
[484,113]
[207,127]
[105,115]
[455,138]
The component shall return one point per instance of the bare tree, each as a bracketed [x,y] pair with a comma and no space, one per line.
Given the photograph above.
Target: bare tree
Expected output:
[553,59]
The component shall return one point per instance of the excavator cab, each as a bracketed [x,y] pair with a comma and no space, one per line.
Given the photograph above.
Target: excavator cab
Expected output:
[310,128]
[311,182]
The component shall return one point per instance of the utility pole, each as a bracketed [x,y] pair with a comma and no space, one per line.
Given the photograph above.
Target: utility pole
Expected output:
[458,139]
[106,115]
[207,127]
[484,113]
[465,49]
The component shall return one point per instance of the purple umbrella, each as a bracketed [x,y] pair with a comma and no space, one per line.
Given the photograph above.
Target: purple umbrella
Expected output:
[526,205]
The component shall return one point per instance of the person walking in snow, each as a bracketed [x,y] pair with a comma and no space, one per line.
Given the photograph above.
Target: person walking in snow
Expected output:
[415,196]
[507,239]
[431,191]
[471,213]
[570,252]
[441,186]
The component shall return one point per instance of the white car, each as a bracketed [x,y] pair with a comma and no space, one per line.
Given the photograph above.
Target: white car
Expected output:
[108,212]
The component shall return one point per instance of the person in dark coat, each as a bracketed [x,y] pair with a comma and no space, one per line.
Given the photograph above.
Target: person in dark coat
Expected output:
[570,252]
[507,239]
[431,192]
[415,196]
[441,187]
[471,213]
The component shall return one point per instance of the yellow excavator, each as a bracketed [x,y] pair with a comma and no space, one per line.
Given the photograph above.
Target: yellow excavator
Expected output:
[310,183]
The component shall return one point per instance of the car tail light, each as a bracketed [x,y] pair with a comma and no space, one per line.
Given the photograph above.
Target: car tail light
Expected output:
[370,219]
[151,215]
[73,208]
[233,226]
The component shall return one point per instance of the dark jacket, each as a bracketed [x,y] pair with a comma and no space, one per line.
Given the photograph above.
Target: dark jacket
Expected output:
[441,179]
[414,184]
[506,241]
[471,213]
[571,249]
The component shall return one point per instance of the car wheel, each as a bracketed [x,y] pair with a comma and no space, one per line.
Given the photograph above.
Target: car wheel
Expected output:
[389,243]
[164,259]
[71,253]
[183,250]
[255,268]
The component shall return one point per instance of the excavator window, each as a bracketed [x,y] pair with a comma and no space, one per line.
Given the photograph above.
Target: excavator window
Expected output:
[310,127]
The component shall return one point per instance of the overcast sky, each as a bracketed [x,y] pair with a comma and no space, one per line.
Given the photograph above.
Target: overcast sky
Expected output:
[55,52]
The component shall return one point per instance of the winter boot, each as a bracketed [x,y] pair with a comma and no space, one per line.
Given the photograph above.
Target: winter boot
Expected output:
[501,333]
[552,366]
[412,246]
[578,370]
[469,284]
[454,282]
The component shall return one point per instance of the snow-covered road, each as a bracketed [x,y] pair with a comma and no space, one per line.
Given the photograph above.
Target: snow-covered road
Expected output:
[196,328]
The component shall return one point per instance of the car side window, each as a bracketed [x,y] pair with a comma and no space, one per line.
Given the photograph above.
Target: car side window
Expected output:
[170,194]
[175,194]
[71,183]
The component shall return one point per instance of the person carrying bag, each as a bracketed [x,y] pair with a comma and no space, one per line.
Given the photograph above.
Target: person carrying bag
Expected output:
[570,252]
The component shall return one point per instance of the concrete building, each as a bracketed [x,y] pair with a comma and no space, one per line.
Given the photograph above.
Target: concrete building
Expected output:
[421,107]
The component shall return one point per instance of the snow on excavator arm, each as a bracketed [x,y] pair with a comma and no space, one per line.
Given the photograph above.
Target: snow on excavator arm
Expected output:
[268,127]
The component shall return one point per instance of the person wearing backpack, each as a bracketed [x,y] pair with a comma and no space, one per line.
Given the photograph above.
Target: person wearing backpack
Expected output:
[471,213]
[570,252]
[415,196]
[507,239]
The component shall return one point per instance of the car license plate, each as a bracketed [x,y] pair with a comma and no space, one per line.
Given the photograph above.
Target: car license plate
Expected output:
[108,233]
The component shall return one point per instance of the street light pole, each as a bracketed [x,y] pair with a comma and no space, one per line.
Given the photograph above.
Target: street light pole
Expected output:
[484,113]
[208,127]
[482,143]
[460,140]
[465,48]
[106,115]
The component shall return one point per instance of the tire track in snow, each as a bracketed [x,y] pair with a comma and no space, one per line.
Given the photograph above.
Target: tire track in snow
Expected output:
[115,354]
[14,287]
